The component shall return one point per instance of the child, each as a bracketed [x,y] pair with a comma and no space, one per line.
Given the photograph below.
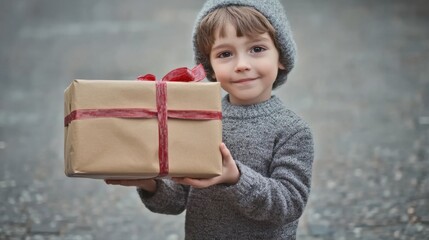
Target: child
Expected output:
[267,153]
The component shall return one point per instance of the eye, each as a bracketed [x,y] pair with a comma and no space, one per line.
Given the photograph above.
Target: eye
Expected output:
[224,54]
[257,49]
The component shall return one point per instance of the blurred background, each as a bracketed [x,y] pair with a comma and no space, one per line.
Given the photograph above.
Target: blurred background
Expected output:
[362,82]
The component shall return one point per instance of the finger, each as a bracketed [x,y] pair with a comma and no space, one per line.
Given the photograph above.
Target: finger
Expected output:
[184,181]
[114,182]
[226,154]
[126,183]
[110,181]
[188,181]
[202,183]
[177,180]
[198,183]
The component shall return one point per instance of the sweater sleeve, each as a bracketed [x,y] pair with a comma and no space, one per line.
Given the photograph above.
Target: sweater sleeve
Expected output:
[169,197]
[281,196]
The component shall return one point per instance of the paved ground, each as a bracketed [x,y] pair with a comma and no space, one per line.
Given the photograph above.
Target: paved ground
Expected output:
[361,82]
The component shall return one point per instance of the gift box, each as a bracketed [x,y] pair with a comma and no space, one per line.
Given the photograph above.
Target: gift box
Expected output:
[129,129]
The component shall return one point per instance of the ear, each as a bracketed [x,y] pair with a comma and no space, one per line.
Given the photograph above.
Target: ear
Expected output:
[281,66]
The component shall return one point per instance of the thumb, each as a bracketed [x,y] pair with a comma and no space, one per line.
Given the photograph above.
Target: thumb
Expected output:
[226,154]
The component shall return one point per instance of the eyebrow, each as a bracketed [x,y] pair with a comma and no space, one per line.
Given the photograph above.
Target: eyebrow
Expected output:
[255,39]
[259,39]
[220,46]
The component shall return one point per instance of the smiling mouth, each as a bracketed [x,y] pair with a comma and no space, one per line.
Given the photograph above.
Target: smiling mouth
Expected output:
[245,80]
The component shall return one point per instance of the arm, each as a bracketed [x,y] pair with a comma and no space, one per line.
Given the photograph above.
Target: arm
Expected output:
[282,196]
[169,197]
[279,197]
[160,196]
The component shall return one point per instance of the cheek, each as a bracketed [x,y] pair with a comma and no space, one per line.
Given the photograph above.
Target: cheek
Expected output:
[268,68]
[272,64]
[221,72]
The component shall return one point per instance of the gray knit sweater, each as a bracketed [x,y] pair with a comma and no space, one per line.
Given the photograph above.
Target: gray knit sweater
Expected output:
[273,149]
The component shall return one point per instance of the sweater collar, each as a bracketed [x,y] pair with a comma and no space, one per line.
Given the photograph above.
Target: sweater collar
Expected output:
[250,111]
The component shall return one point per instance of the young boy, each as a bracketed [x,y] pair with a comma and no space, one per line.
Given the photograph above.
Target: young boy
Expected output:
[267,153]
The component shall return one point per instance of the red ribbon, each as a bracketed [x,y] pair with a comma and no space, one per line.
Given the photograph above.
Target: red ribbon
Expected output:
[162,113]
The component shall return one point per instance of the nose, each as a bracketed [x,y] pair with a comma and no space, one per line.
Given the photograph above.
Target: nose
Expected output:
[242,64]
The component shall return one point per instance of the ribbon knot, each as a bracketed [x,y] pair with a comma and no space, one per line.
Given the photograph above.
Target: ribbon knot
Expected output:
[182,74]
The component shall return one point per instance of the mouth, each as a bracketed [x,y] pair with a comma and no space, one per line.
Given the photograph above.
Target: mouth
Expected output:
[244,80]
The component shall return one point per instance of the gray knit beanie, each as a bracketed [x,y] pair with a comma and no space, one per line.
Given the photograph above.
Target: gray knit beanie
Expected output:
[274,12]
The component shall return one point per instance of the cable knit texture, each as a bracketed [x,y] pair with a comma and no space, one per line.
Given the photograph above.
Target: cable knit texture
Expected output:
[273,149]
[273,10]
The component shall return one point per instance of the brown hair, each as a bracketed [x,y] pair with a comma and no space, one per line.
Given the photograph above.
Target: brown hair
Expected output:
[246,20]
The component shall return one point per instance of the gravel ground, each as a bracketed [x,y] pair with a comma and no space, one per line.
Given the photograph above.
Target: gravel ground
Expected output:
[361,82]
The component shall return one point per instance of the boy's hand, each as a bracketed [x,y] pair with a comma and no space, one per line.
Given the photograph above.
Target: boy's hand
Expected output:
[230,173]
[148,185]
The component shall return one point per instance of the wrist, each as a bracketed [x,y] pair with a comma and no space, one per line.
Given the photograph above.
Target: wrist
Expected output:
[235,176]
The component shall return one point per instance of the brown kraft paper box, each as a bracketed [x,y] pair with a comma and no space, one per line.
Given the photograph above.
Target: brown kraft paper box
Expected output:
[127,148]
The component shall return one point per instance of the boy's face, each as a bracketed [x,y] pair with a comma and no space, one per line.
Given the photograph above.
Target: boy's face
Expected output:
[245,67]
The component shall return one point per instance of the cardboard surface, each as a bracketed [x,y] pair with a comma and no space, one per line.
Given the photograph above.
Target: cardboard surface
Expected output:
[128,148]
